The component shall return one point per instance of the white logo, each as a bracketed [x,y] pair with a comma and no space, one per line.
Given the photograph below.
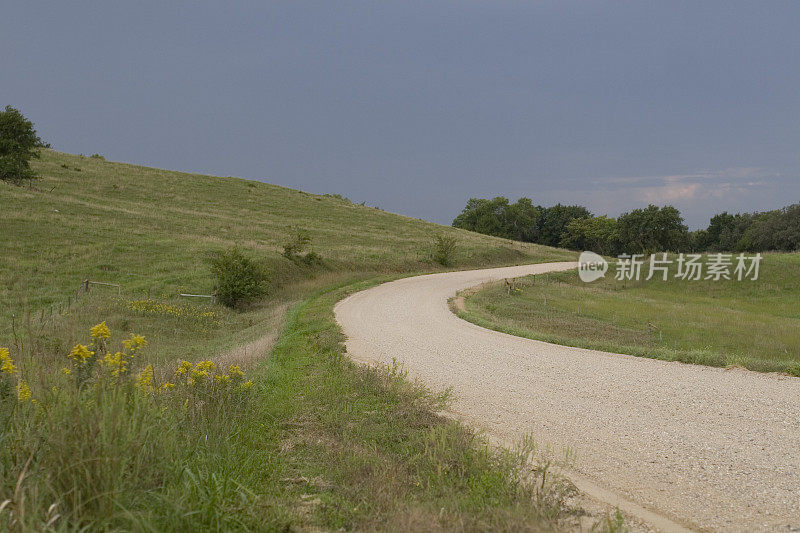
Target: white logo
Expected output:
[591,267]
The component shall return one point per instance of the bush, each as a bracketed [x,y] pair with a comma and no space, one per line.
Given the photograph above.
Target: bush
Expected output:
[18,145]
[240,280]
[444,247]
[299,241]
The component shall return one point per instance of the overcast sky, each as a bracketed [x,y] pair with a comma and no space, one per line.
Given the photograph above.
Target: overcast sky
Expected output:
[417,106]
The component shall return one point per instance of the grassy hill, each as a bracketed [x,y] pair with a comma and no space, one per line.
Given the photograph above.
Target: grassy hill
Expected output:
[149,230]
[310,441]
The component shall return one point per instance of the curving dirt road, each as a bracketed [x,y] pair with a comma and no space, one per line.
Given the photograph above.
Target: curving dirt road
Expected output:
[701,447]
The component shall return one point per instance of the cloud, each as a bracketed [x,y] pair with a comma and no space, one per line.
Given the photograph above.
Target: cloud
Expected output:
[701,185]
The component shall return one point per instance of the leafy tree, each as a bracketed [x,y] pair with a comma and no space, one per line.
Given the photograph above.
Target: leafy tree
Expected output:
[521,220]
[698,241]
[18,145]
[773,230]
[554,221]
[652,229]
[598,234]
[485,216]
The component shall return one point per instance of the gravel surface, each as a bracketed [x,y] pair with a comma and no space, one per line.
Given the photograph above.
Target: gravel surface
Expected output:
[707,448]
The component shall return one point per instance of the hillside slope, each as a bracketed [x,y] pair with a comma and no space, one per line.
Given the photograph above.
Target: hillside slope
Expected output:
[149,229]
[310,442]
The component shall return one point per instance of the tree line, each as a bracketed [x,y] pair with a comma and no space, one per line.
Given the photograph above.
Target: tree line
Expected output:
[647,230]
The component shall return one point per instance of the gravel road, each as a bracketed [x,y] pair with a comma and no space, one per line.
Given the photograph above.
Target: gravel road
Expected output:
[705,448]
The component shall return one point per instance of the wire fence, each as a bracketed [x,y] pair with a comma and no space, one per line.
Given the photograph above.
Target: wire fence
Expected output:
[60,308]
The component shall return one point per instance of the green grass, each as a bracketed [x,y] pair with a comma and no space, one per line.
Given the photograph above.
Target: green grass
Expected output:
[753,324]
[150,230]
[317,442]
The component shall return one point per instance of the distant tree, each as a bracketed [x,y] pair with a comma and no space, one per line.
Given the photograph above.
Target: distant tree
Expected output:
[554,220]
[652,229]
[18,145]
[521,220]
[499,217]
[698,241]
[773,230]
[485,216]
[598,234]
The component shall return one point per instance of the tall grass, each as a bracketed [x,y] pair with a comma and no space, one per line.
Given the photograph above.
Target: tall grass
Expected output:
[316,442]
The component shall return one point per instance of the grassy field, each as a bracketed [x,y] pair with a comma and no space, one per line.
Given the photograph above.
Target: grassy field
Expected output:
[150,230]
[313,442]
[753,324]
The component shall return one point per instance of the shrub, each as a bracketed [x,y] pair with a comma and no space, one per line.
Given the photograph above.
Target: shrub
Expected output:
[240,280]
[299,241]
[18,145]
[444,247]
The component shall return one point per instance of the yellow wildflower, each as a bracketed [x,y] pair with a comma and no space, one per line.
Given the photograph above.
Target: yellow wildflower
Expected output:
[144,381]
[80,353]
[117,364]
[166,386]
[135,342]
[66,371]
[222,378]
[23,391]
[101,331]
[247,384]
[235,370]
[6,363]
[183,368]
[205,365]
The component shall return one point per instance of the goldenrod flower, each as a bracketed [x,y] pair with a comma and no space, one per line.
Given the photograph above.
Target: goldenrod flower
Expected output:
[117,364]
[234,370]
[222,378]
[166,386]
[80,353]
[205,365]
[66,371]
[144,381]
[23,391]
[6,363]
[247,384]
[101,331]
[183,368]
[135,342]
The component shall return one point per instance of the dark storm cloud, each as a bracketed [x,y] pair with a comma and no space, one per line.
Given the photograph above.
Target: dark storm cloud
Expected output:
[417,106]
